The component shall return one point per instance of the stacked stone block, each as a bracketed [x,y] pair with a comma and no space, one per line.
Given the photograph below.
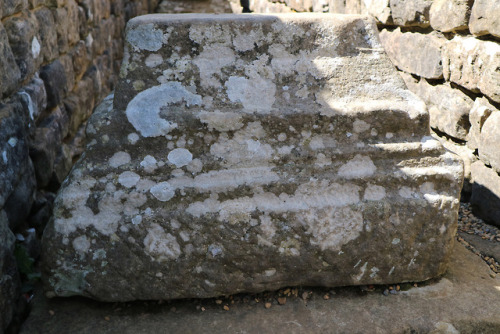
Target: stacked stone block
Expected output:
[448,52]
[58,59]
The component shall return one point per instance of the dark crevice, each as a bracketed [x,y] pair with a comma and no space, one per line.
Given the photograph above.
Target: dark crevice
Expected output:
[448,137]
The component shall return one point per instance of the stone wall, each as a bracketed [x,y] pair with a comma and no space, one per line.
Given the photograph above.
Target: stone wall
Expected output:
[58,59]
[448,53]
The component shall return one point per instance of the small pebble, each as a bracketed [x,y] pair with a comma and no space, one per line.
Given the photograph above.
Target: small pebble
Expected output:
[282,300]
[386,292]
[51,312]
[226,307]
[326,297]
[267,305]
[203,309]
[218,302]
[106,318]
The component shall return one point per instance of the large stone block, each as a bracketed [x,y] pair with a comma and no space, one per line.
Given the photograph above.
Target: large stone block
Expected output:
[473,64]
[48,34]
[489,141]
[450,15]
[56,85]
[16,171]
[380,9]
[415,53]
[9,71]
[411,13]
[480,111]
[485,18]
[485,197]
[24,41]
[449,108]
[34,97]
[239,156]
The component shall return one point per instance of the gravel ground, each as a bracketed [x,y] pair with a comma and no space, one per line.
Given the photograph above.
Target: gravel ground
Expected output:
[470,224]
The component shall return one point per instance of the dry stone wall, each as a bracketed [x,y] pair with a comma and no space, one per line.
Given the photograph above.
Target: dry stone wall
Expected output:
[58,59]
[448,53]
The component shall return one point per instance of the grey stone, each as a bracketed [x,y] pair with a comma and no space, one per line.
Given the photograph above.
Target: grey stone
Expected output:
[380,9]
[485,199]
[449,108]
[14,159]
[450,15]
[62,21]
[24,42]
[222,168]
[411,13]
[48,34]
[415,53]
[82,58]
[485,18]
[10,7]
[465,297]
[69,72]
[473,64]
[73,31]
[468,157]
[54,78]
[480,111]
[18,205]
[9,278]
[489,142]
[43,149]
[34,98]
[9,71]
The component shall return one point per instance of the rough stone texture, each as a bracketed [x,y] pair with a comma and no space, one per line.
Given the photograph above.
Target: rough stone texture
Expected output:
[485,197]
[10,7]
[480,111]
[56,85]
[415,53]
[468,157]
[448,107]
[9,280]
[473,64]
[489,141]
[411,13]
[9,72]
[48,34]
[239,156]
[450,15]
[24,42]
[16,171]
[380,9]
[485,18]
[464,300]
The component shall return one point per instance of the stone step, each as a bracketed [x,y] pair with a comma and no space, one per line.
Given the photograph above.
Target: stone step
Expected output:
[244,153]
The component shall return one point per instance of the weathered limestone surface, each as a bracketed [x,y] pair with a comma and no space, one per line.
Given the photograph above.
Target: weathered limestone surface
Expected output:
[481,110]
[473,64]
[411,13]
[450,15]
[415,53]
[449,108]
[489,142]
[240,156]
[485,18]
